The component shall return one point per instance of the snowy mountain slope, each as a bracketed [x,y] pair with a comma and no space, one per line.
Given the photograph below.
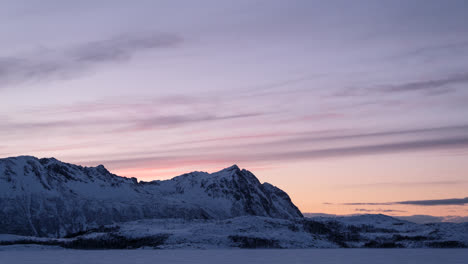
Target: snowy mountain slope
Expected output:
[243,232]
[46,197]
[229,192]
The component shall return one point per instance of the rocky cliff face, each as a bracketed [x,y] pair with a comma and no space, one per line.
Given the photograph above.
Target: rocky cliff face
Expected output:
[46,197]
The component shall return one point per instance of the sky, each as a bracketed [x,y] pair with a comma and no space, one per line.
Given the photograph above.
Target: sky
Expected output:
[349,106]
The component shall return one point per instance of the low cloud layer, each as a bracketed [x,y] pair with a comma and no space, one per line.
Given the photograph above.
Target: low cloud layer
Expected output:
[454,201]
[363,210]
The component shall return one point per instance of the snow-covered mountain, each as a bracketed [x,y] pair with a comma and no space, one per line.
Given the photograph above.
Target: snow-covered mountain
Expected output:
[46,197]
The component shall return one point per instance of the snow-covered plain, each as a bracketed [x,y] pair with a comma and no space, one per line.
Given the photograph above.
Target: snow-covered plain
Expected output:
[38,255]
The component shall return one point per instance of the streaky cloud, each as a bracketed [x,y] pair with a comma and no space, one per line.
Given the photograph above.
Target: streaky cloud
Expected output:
[428,87]
[416,145]
[453,201]
[147,159]
[76,60]
[120,47]
[443,130]
[409,184]
[432,85]
[174,120]
[430,50]
[124,124]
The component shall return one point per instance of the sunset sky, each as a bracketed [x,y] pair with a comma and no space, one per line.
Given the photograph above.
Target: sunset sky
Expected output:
[348,106]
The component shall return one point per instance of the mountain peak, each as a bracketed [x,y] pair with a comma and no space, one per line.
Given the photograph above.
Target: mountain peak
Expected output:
[231,168]
[48,160]
[101,168]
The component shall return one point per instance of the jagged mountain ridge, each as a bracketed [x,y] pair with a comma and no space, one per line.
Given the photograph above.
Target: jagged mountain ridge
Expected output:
[47,197]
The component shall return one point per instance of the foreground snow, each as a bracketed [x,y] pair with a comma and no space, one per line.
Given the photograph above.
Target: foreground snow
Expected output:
[376,256]
[365,231]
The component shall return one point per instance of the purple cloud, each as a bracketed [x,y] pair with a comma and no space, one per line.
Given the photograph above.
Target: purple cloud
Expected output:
[72,61]
[432,85]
